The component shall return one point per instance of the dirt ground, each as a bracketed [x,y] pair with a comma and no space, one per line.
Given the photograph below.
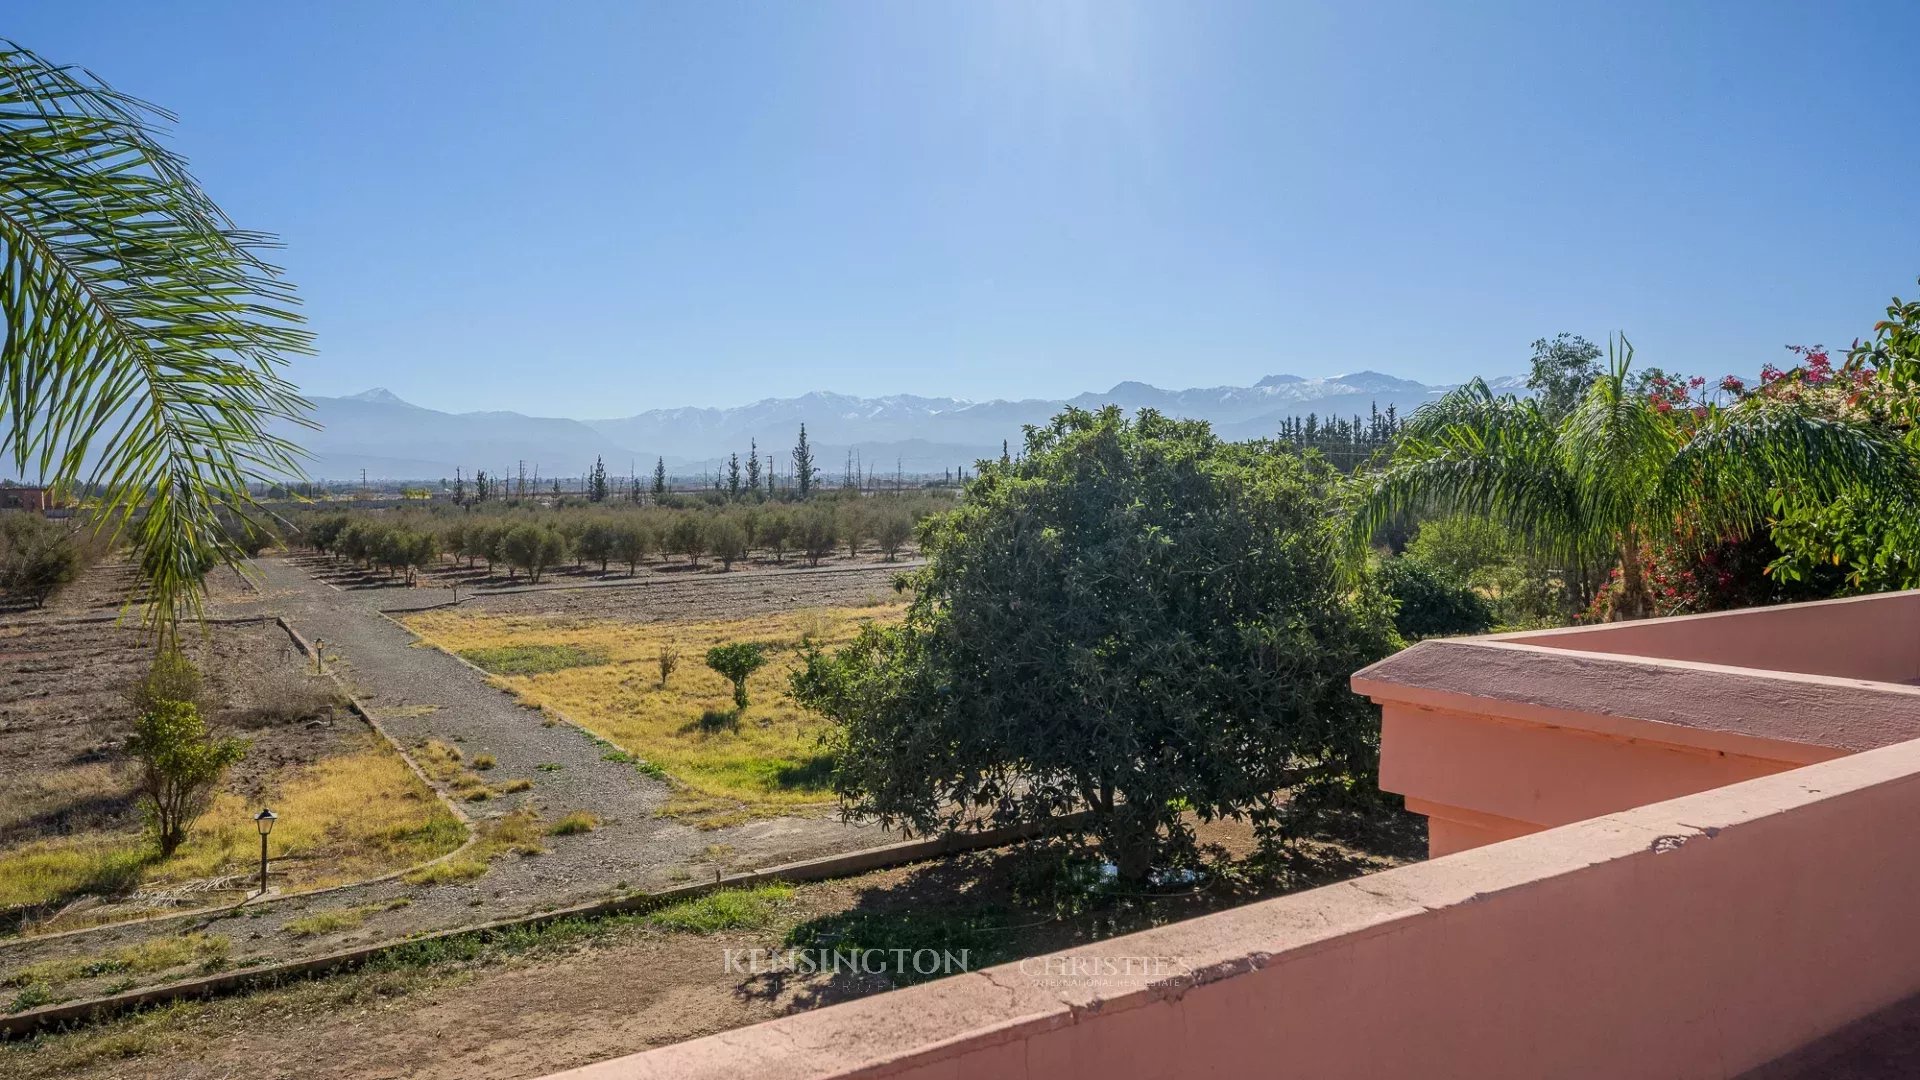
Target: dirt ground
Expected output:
[65,672]
[530,1013]
[64,706]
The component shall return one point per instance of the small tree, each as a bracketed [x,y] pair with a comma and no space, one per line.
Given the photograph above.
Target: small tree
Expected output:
[668,658]
[737,661]
[892,531]
[631,542]
[688,536]
[181,764]
[776,531]
[852,522]
[597,542]
[729,541]
[533,548]
[815,529]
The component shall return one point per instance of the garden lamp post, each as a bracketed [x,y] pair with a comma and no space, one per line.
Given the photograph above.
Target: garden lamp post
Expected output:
[264,821]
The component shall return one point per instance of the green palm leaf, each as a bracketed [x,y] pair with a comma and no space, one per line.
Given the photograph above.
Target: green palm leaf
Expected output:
[143,331]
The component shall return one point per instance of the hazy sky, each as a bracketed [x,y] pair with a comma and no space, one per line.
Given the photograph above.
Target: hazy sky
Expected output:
[589,209]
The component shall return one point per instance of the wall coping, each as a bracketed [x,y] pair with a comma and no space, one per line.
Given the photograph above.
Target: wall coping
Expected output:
[999,1014]
[1787,716]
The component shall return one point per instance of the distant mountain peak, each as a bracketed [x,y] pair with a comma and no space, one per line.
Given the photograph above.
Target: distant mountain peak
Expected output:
[1375,381]
[379,395]
[1279,380]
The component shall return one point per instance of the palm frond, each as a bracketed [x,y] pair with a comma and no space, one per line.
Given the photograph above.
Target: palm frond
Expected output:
[1728,476]
[143,330]
[1494,457]
[1616,444]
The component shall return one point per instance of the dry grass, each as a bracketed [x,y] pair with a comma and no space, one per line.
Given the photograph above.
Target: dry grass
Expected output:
[42,794]
[763,761]
[345,818]
[333,920]
[154,954]
[579,821]
[517,833]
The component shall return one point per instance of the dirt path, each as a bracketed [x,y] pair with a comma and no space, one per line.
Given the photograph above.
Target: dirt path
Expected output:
[419,693]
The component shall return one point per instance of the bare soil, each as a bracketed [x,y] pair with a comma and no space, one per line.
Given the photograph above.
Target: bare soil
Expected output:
[64,705]
[532,1013]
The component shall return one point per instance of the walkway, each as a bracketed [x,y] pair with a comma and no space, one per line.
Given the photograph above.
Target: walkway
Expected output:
[419,693]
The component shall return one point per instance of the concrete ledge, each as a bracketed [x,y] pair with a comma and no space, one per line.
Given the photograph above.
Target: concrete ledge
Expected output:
[1699,937]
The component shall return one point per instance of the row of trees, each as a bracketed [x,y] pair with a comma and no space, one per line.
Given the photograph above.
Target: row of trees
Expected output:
[533,540]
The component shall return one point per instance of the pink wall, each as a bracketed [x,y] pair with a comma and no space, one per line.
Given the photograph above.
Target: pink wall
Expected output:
[1866,637]
[1693,938]
[1482,778]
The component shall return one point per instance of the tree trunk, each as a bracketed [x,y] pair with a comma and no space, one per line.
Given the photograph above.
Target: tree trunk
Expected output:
[1634,601]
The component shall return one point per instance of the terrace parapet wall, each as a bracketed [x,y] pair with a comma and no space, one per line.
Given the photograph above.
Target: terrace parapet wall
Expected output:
[1501,736]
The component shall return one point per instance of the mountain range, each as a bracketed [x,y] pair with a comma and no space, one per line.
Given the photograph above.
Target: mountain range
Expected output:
[392,439]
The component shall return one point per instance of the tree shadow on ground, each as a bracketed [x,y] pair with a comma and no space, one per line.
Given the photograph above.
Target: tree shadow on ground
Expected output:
[997,906]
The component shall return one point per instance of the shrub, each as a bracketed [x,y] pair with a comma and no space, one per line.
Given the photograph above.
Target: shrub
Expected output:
[171,677]
[181,764]
[1431,602]
[668,657]
[37,557]
[736,661]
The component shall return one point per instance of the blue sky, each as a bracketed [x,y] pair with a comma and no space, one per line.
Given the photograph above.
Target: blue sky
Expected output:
[590,209]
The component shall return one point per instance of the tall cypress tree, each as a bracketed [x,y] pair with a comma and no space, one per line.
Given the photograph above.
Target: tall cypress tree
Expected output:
[804,470]
[659,477]
[753,466]
[597,482]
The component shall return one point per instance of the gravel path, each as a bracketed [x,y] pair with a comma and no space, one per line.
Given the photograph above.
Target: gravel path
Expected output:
[419,693]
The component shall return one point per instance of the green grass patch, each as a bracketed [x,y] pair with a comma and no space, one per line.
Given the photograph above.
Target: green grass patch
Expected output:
[981,936]
[724,909]
[54,871]
[533,659]
[155,954]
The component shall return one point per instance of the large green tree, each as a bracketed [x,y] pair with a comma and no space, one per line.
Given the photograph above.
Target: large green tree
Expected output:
[1134,618]
[1618,470]
[145,334]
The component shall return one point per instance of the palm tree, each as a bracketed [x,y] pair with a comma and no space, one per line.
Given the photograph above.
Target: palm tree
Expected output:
[1616,471]
[144,335]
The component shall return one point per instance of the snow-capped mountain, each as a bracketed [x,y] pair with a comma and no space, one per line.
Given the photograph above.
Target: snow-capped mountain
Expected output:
[392,439]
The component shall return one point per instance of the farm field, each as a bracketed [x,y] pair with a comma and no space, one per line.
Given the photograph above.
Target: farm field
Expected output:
[606,675]
[73,851]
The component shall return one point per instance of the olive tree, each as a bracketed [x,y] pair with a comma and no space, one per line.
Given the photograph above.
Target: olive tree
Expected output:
[1134,618]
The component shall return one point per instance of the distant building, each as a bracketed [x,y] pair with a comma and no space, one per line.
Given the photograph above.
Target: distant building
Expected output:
[36,499]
